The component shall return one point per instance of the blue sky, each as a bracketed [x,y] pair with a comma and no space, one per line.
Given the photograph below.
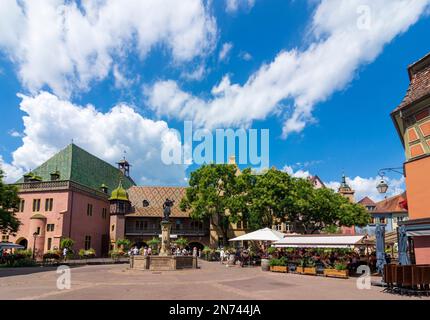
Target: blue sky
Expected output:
[335,84]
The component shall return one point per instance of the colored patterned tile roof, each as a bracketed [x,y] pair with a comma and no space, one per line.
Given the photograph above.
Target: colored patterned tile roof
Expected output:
[367,202]
[75,164]
[391,205]
[419,87]
[155,198]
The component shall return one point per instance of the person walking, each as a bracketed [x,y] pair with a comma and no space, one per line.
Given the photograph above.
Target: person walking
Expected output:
[65,254]
[222,255]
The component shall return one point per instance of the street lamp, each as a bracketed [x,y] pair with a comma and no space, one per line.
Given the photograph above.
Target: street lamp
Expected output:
[34,243]
[382,187]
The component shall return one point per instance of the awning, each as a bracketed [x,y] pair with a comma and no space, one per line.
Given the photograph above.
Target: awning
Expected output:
[265,234]
[8,245]
[172,236]
[418,233]
[319,241]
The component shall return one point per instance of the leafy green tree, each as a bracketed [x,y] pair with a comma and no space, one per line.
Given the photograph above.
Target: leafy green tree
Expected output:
[67,243]
[9,202]
[321,208]
[211,195]
[269,198]
[154,242]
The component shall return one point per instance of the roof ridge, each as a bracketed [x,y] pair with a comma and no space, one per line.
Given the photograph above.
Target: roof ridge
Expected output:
[403,194]
[175,187]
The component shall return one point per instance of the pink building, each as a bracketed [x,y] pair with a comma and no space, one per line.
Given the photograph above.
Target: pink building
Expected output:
[67,197]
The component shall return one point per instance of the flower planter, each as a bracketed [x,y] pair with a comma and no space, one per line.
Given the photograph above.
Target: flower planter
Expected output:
[310,271]
[307,270]
[333,273]
[282,269]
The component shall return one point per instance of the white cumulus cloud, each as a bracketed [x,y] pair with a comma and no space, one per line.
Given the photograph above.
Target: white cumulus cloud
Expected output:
[67,44]
[225,50]
[232,6]
[51,123]
[344,36]
[367,187]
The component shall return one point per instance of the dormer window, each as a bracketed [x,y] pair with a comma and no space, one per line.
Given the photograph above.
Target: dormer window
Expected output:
[55,176]
[104,188]
[27,177]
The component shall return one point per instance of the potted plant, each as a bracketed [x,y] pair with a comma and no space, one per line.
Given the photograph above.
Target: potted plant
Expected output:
[278,265]
[340,270]
[123,244]
[116,254]
[310,268]
[307,266]
[87,254]
[206,253]
[52,256]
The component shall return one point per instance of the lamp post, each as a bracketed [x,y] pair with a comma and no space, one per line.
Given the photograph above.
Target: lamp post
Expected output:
[382,187]
[34,243]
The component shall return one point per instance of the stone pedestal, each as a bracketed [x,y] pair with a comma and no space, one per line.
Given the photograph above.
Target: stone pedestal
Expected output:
[165,239]
[163,263]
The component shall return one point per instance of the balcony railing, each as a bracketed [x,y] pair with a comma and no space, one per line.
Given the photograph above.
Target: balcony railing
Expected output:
[157,231]
[58,185]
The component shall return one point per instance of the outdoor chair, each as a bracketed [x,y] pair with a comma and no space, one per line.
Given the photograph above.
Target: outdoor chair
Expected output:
[398,278]
[389,276]
[425,279]
[406,284]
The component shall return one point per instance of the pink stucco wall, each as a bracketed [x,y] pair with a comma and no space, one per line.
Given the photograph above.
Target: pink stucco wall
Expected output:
[83,225]
[69,216]
[422,249]
[29,226]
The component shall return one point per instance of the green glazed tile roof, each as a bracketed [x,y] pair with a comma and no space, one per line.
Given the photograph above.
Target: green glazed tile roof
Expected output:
[76,164]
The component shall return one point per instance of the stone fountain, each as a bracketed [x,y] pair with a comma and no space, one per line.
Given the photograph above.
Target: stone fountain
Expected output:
[165,261]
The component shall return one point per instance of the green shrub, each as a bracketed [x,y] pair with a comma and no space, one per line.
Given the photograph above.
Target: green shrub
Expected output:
[87,254]
[116,254]
[25,253]
[18,263]
[52,255]
[271,250]
[307,262]
[67,243]
[206,250]
[340,266]
[282,262]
